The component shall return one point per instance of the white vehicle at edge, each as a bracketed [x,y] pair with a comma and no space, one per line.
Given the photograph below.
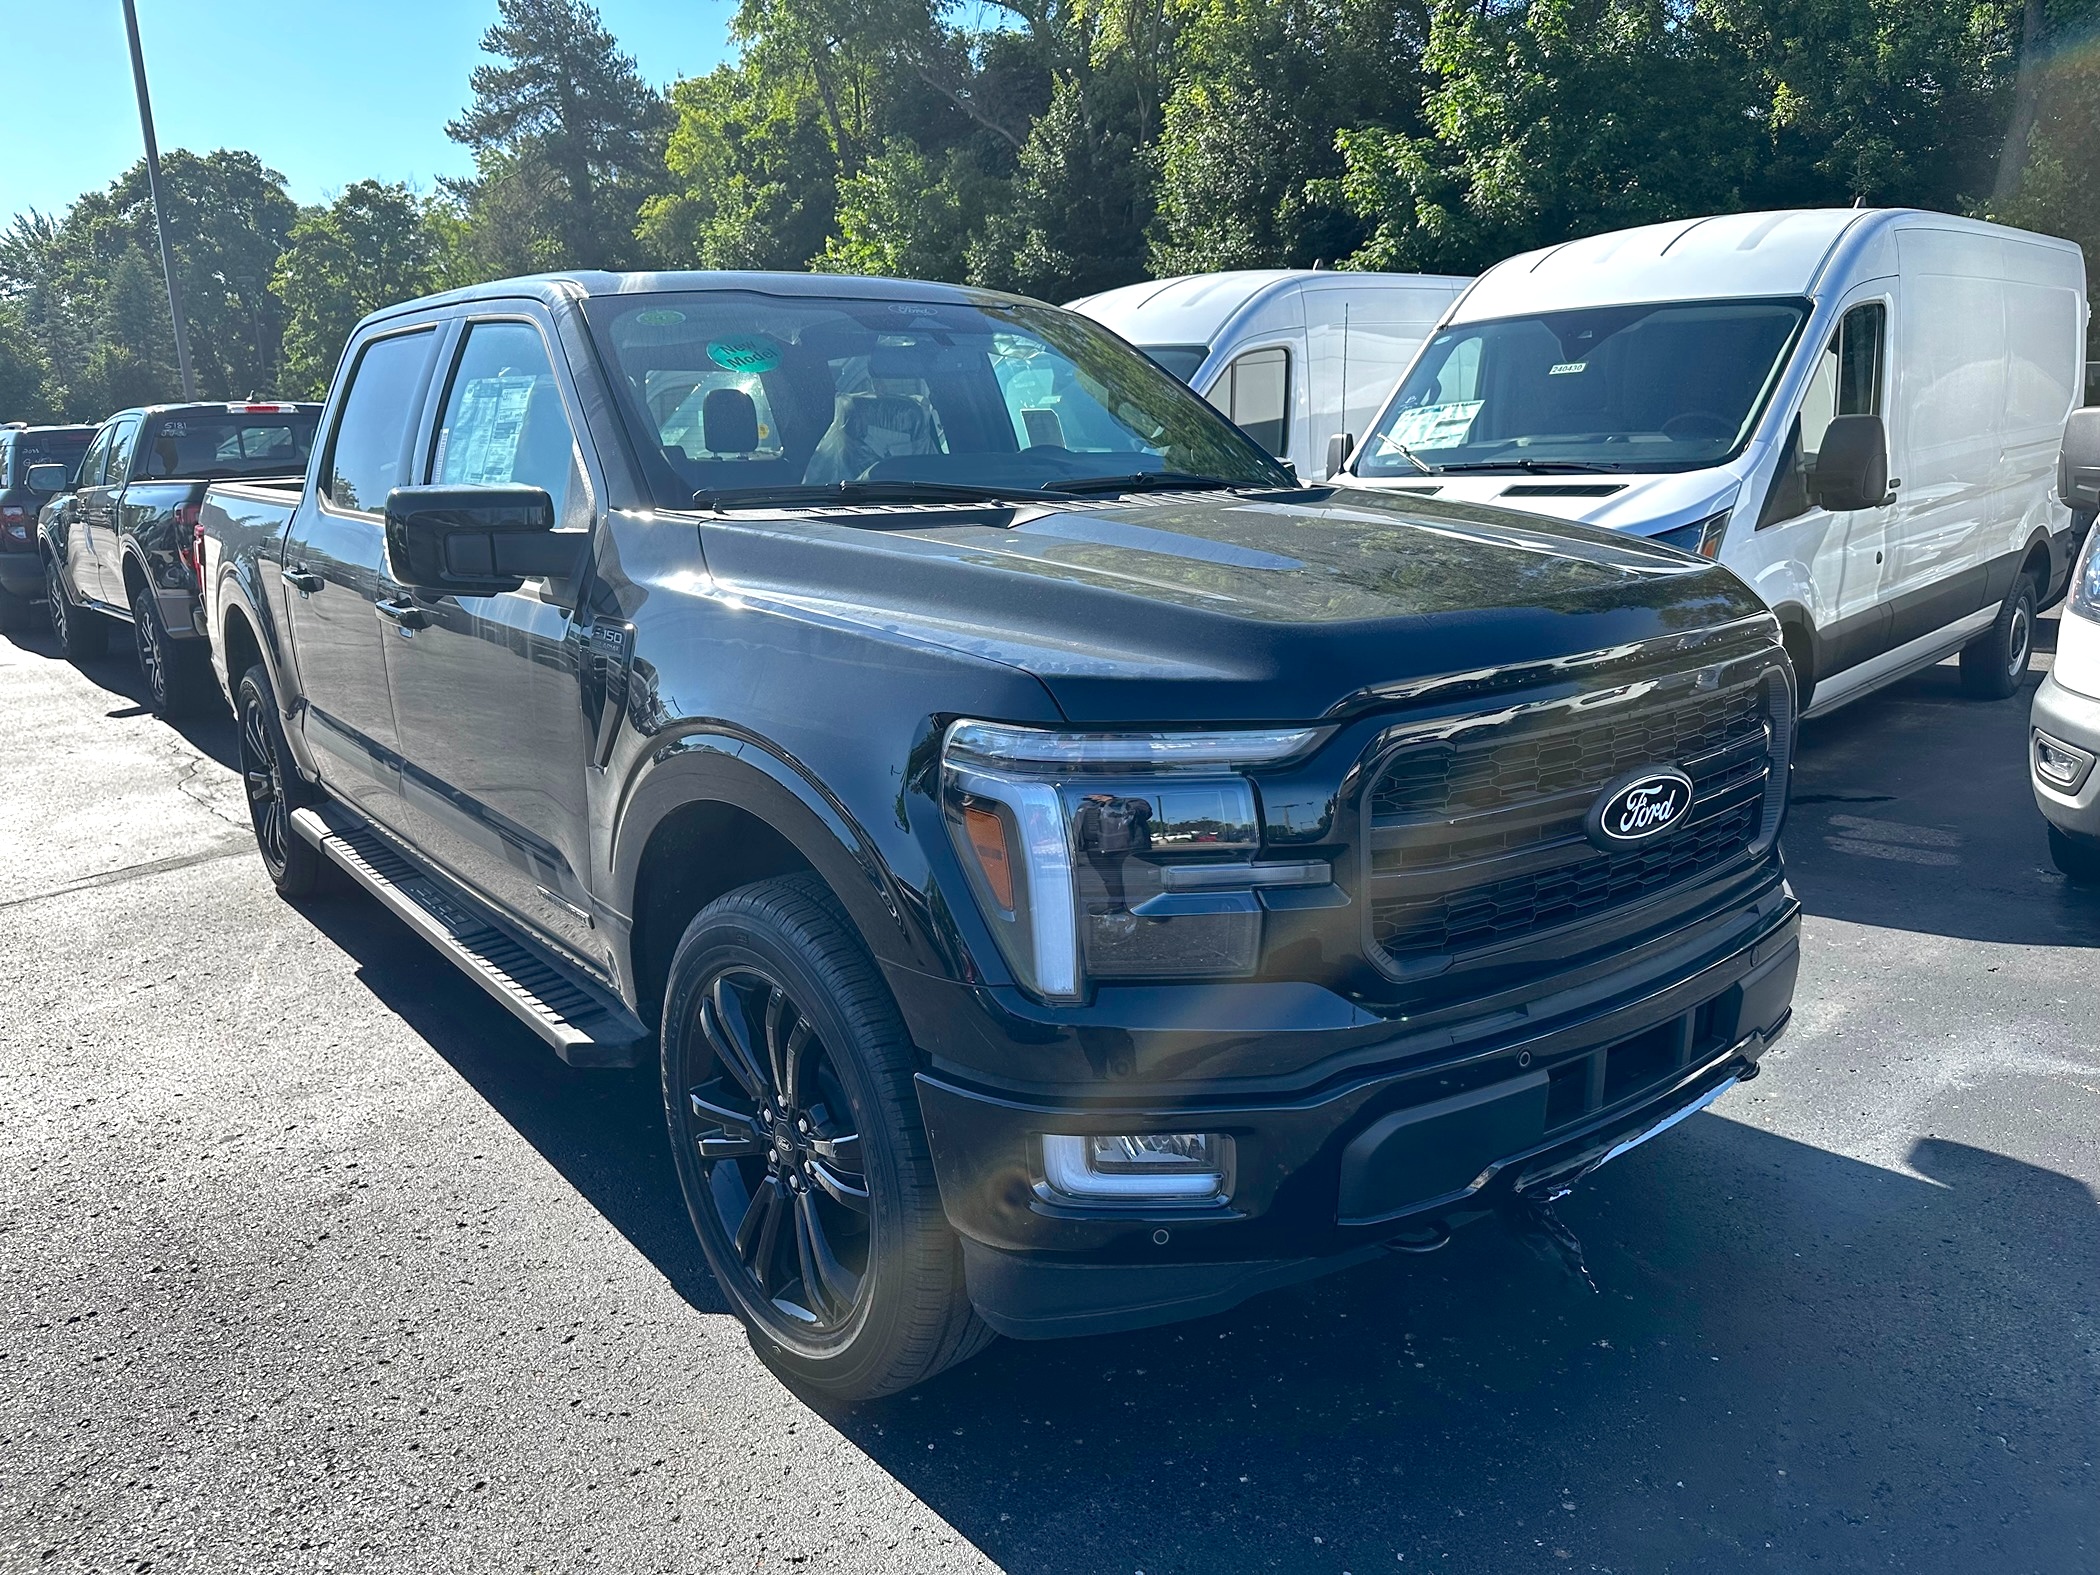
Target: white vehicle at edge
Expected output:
[1857,410]
[2063,746]
[1291,355]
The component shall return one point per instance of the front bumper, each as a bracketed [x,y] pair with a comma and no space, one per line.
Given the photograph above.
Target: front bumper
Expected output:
[22,574]
[2072,719]
[1334,1176]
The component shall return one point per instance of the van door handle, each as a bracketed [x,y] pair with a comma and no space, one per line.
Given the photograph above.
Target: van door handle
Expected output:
[403,615]
[303,580]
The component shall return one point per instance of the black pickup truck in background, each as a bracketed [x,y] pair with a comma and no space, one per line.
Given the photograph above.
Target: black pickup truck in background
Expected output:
[1070,874]
[119,542]
[23,448]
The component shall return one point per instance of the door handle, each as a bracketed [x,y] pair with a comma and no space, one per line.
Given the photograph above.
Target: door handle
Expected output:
[403,615]
[303,580]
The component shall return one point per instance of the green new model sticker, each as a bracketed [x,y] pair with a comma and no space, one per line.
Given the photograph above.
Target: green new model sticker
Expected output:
[746,353]
[660,317]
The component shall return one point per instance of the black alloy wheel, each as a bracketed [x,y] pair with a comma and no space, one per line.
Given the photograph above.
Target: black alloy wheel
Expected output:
[795,1129]
[274,790]
[170,672]
[772,1131]
[81,634]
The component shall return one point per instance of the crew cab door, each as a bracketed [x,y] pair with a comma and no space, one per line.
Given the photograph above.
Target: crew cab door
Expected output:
[66,532]
[335,571]
[102,578]
[488,690]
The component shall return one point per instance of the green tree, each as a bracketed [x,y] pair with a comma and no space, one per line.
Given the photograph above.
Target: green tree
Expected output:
[23,392]
[567,140]
[374,245]
[133,359]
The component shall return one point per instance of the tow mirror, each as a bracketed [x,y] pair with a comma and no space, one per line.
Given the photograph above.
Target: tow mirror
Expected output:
[1852,466]
[2078,466]
[46,478]
[1338,448]
[476,541]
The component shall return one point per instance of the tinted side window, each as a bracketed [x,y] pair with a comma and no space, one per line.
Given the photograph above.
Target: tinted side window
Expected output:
[120,448]
[367,457]
[1847,382]
[1255,394]
[504,421]
[90,473]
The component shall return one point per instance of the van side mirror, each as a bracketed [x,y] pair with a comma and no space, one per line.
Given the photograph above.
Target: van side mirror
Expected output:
[1338,448]
[2078,465]
[46,478]
[1852,466]
[476,541]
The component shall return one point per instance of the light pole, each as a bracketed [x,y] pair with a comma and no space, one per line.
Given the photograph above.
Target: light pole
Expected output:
[160,222]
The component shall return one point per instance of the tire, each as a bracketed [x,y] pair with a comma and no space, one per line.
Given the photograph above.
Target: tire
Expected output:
[1994,665]
[275,789]
[795,1129]
[2077,858]
[174,676]
[82,635]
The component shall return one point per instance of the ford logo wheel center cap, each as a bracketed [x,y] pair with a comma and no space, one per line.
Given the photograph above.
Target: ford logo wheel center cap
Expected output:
[1639,808]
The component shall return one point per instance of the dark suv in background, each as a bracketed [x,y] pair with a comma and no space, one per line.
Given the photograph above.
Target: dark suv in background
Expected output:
[21,446]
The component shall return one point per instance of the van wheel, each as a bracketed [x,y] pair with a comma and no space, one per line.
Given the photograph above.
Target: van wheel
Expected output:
[1994,665]
[795,1129]
[81,634]
[275,789]
[174,676]
[2076,857]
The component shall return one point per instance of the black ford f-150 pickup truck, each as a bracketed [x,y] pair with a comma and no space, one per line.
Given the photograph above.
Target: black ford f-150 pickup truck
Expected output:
[121,543]
[1074,875]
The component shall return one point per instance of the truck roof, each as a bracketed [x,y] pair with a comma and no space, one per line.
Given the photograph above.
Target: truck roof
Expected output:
[1200,308]
[1783,253]
[217,407]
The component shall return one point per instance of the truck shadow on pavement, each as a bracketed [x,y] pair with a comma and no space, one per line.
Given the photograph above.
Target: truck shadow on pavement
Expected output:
[209,725]
[1794,1359]
[1912,811]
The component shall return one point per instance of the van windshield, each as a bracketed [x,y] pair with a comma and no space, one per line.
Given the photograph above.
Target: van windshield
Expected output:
[737,396]
[1676,386]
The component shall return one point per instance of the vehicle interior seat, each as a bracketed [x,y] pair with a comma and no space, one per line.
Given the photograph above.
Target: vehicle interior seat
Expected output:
[729,422]
[867,429]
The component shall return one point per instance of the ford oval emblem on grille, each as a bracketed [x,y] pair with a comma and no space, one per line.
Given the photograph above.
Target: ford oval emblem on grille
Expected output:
[1639,807]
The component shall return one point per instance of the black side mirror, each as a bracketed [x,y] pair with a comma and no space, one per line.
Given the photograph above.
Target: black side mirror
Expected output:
[1852,466]
[2078,465]
[476,541]
[46,478]
[1338,448]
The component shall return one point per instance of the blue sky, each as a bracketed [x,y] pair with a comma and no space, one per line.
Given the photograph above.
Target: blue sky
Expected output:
[325,91]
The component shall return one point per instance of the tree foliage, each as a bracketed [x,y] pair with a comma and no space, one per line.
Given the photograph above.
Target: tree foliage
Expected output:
[374,245]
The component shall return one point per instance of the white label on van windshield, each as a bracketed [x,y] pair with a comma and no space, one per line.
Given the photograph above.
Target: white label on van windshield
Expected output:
[1434,426]
[1563,368]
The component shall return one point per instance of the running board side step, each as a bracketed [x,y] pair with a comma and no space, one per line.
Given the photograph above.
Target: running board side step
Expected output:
[586,1024]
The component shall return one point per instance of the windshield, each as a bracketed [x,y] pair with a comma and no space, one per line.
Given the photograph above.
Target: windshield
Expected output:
[49,448]
[734,395]
[213,446]
[1650,388]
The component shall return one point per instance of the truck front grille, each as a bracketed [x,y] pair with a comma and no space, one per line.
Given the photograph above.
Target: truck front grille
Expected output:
[1474,827]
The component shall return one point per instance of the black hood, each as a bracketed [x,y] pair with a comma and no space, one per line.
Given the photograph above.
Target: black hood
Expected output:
[1212,608]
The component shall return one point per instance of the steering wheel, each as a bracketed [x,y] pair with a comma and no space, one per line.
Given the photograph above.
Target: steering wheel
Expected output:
[1689,426]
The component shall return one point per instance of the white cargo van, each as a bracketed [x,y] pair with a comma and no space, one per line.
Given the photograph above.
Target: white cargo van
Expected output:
[1292,355]
[1857,410]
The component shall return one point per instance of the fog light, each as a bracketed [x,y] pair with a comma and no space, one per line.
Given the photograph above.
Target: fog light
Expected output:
[1150,1167]
[2061,765]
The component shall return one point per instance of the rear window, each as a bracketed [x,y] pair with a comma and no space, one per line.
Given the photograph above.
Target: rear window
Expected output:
[212,446]
[48,448]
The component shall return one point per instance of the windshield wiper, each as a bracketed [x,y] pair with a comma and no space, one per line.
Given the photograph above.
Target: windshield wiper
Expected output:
[1145,481]
[1539,467]
[718,498]
[1415,459]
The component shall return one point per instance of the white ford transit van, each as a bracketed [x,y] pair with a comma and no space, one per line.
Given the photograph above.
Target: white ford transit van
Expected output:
[1292,355]
[1857,410]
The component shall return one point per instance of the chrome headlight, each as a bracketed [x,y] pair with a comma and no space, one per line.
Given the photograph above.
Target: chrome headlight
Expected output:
[1116,855]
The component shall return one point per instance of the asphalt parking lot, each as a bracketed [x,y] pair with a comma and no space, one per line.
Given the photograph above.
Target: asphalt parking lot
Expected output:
[311,1258]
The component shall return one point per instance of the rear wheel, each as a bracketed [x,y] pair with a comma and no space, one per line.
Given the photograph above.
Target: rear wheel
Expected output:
[1994,665]
[275,789]
[795,1127]
[83,635]
[2077,857]
[174,675]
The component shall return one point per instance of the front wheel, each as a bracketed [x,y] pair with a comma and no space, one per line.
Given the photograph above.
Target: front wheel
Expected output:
[275,789]
[1994,664]
[2076,858]
[788,1089]
[81,634]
